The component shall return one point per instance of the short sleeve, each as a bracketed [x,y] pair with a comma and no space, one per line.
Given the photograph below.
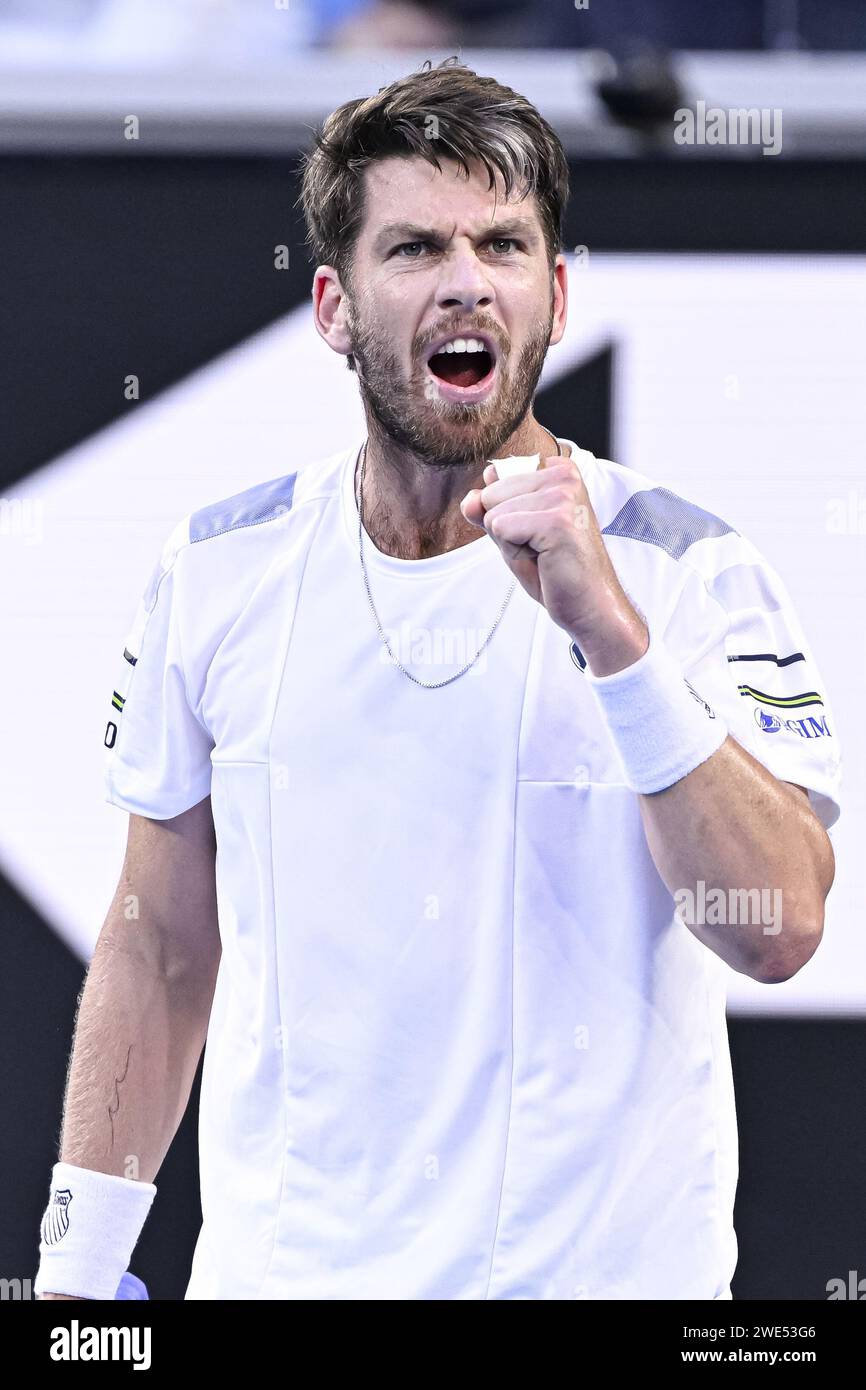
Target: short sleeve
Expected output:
[157,759]
[762,678]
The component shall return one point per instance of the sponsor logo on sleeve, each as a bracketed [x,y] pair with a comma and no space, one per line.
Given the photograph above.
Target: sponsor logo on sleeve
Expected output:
[809,726]
[772,720]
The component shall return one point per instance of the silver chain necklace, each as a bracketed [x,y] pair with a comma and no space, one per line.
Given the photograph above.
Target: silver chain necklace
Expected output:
[427,685]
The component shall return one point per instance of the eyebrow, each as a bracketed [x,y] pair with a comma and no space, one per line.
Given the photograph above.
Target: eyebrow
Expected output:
[394,232]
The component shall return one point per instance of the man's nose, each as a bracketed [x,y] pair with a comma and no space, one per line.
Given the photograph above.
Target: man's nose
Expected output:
[463,283]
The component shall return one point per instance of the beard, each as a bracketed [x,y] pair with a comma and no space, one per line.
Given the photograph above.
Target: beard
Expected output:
[412,415]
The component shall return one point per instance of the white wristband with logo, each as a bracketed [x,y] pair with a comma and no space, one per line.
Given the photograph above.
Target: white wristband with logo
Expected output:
[661,727]
[89,1231]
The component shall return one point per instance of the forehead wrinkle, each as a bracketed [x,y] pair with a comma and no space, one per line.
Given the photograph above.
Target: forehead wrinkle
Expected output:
[388,178]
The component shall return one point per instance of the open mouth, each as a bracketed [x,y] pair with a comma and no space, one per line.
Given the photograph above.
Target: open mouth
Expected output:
[464,365]
[461,368]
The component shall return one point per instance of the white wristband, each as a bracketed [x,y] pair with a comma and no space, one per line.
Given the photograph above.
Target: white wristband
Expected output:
[89,1231]
[661,727]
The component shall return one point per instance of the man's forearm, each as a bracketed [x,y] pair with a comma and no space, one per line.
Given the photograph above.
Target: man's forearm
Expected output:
[730,837]
[139,1035]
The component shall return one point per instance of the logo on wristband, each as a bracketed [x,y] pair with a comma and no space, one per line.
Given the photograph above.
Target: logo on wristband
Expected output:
[701,700]
[55,1222]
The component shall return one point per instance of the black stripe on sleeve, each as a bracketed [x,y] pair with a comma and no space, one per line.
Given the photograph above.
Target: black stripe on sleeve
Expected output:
[770,656]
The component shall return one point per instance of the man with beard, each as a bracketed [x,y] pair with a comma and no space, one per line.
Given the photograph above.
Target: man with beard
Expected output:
[435,716]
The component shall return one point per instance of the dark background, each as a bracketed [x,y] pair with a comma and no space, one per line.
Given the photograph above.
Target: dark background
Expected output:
[154,265]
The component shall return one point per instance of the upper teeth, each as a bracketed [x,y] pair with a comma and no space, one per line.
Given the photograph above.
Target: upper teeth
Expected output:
[464,345]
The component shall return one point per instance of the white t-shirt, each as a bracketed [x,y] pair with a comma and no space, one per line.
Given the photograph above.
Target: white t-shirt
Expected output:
[461,1046]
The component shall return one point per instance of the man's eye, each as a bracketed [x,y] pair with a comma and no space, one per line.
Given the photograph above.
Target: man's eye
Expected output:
[408,245]
[503,241]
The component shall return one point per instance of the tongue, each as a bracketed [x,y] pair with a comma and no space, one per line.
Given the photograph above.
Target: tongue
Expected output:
[459,369]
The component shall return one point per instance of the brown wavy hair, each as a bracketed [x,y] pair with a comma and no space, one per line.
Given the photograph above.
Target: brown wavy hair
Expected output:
[442,112]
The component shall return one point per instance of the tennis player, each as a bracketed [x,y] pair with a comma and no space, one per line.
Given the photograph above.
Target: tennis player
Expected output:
[455,793]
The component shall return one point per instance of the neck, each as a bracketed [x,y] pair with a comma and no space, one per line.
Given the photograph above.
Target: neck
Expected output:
[411,507]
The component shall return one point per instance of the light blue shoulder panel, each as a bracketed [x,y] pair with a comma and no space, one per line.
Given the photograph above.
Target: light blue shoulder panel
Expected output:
[659,517]
[263,502]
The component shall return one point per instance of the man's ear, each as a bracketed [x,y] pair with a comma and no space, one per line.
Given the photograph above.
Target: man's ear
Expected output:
[329,310]
[560,299]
